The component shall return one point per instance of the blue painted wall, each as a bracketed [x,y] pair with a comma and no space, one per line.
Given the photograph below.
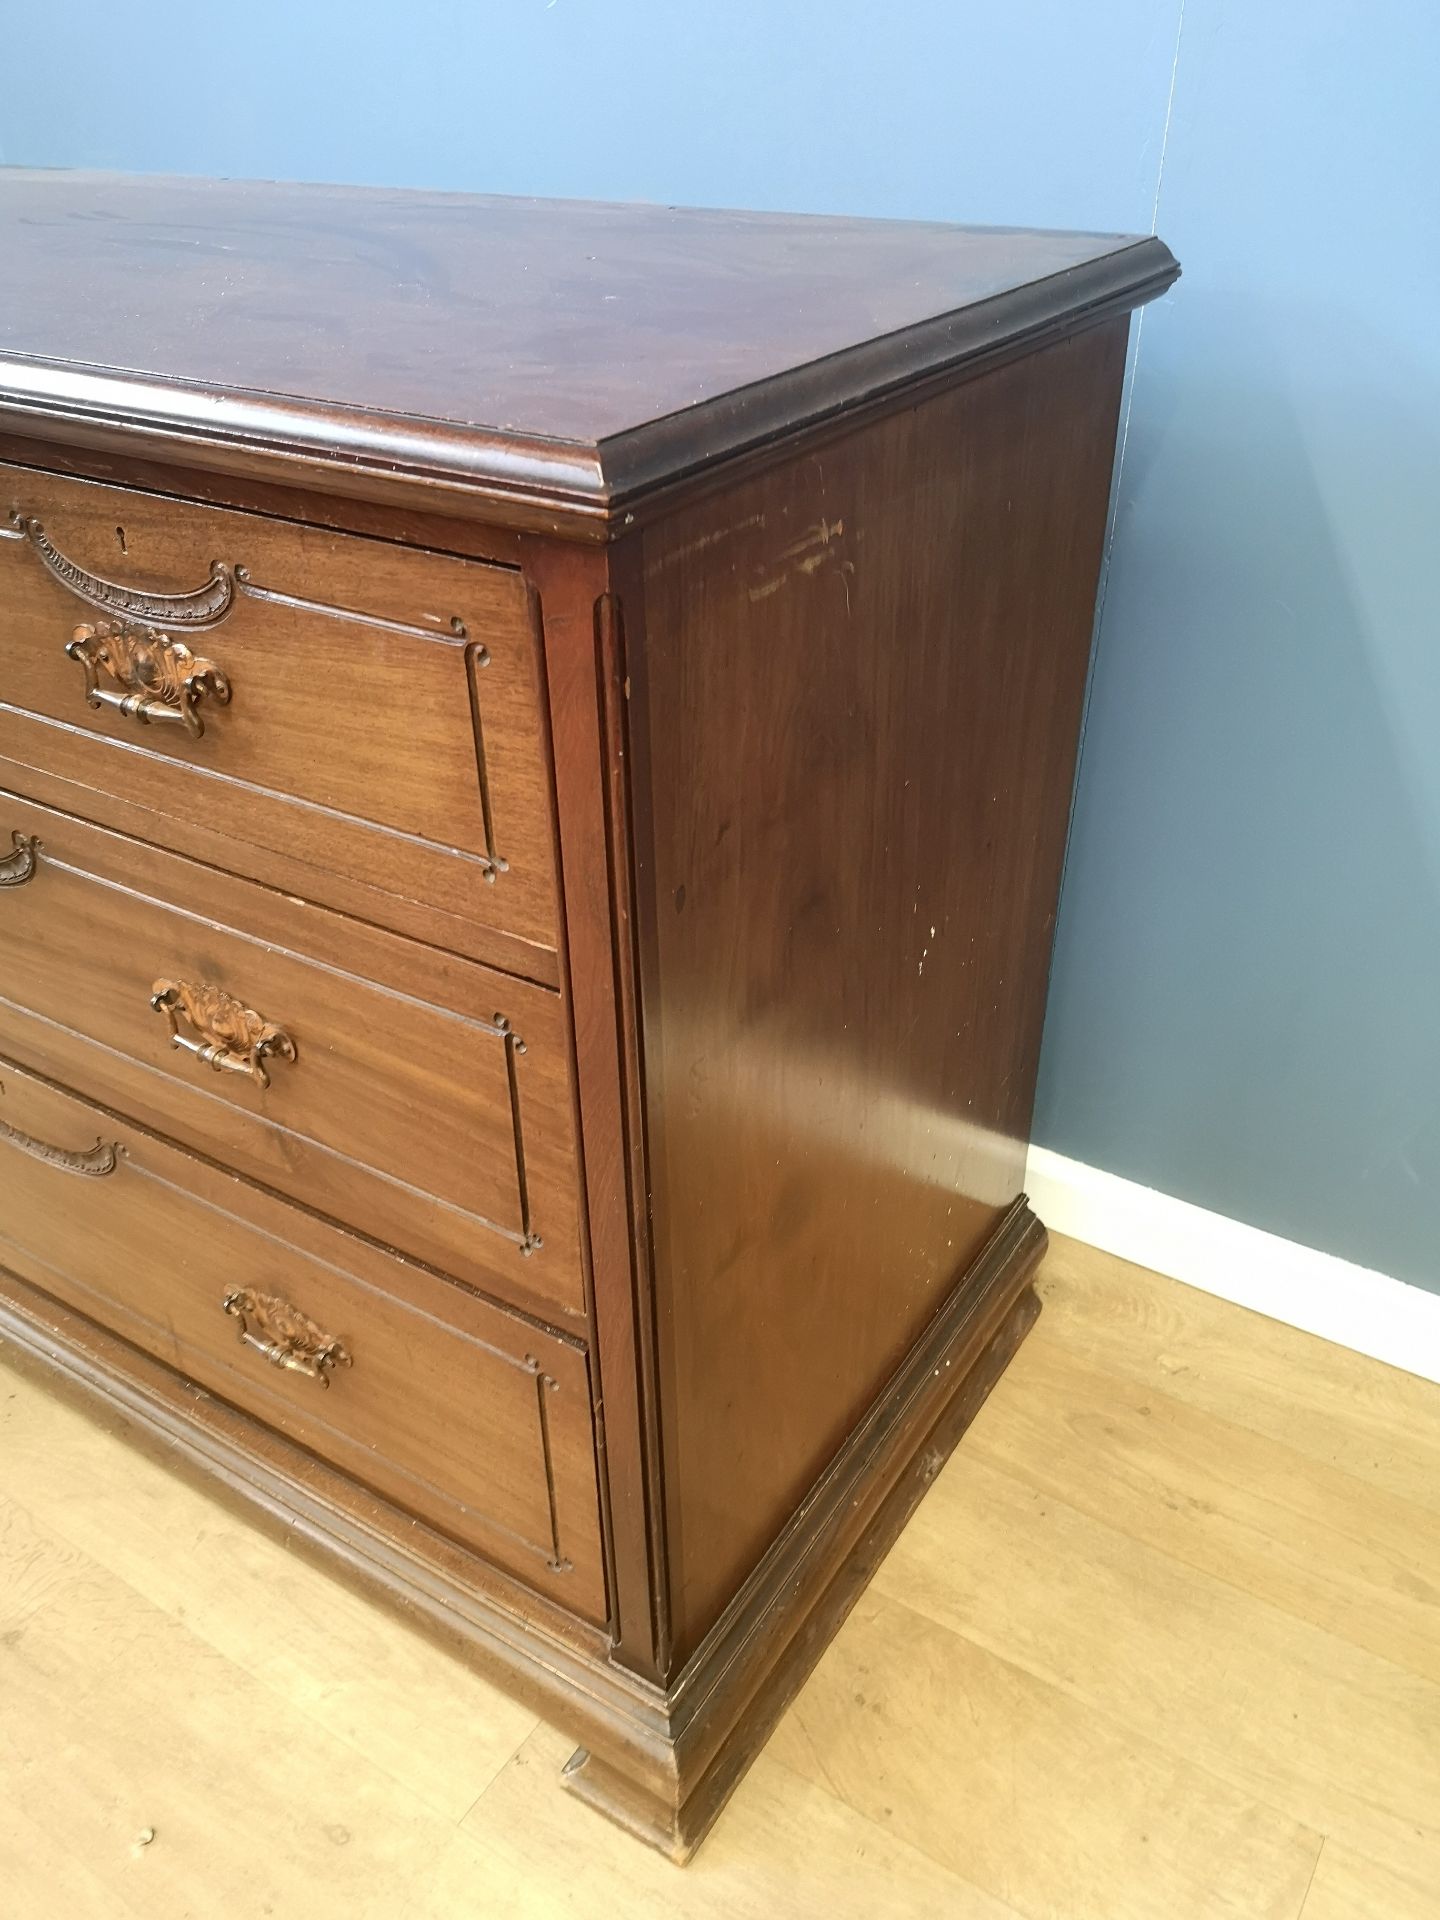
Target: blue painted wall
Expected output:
[1246,1002]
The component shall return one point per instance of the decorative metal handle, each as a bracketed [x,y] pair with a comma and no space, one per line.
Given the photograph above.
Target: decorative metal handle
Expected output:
[94,1162]
[203,606]
[154,677]
[284,1336]
[18,867]
[231,1037]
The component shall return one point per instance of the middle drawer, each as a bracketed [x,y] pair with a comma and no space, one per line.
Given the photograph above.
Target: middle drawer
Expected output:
[416,1096]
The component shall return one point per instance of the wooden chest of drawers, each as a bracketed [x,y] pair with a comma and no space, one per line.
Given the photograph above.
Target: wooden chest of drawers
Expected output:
[535,751]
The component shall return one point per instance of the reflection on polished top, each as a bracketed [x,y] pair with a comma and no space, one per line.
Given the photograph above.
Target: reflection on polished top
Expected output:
[552,324]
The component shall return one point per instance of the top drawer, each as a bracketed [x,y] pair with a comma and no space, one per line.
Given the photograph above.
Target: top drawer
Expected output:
[359,721]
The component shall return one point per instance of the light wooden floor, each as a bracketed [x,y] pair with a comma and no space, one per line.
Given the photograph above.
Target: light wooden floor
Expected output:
[1163,1641]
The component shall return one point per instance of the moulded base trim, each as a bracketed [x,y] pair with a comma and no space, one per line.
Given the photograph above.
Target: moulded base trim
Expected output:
[728,1697]
[660,1761]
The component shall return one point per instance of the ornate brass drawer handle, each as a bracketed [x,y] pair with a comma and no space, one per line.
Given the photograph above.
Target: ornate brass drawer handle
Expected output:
[94,1162]
[18,867]
[231,1038]
[154,677]
[284,1336]
[202,606]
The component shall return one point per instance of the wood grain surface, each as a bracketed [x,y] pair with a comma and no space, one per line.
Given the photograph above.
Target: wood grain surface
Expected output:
[472,1418]
[410,1110]
[566,320]
[536,742]
[854,720]
[162,1662]
[383,723]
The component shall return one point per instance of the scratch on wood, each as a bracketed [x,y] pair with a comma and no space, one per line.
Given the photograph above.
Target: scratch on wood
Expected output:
[820,535]
[813,550]
[677,554]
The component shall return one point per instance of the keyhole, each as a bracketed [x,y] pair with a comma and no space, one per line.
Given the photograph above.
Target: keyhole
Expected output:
[120,536]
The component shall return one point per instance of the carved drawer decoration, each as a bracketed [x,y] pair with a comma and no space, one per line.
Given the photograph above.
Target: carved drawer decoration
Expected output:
[155,678]
[200,607]
[283,1335]
[19,865]
[232,1037]
[339,667]
[474,1420]
[418,1098]
[92,1163]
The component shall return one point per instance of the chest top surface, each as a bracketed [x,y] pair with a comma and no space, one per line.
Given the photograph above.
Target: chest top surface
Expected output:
[573,349]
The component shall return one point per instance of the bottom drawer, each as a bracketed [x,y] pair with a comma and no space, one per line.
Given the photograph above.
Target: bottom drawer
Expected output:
[457,1411]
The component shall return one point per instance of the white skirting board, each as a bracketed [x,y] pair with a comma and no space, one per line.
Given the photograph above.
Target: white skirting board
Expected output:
[1353,1306]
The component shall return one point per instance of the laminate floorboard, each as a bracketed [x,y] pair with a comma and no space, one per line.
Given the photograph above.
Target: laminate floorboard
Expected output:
[1163,1640]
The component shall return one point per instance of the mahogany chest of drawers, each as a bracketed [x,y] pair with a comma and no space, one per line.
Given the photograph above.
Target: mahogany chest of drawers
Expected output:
[535,751]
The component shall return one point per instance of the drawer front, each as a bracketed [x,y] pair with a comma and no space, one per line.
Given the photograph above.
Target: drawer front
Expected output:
[367,712]
[419,1097]
[454,1409]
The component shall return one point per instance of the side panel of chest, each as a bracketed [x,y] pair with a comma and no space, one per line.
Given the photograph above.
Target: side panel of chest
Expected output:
[854,718]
